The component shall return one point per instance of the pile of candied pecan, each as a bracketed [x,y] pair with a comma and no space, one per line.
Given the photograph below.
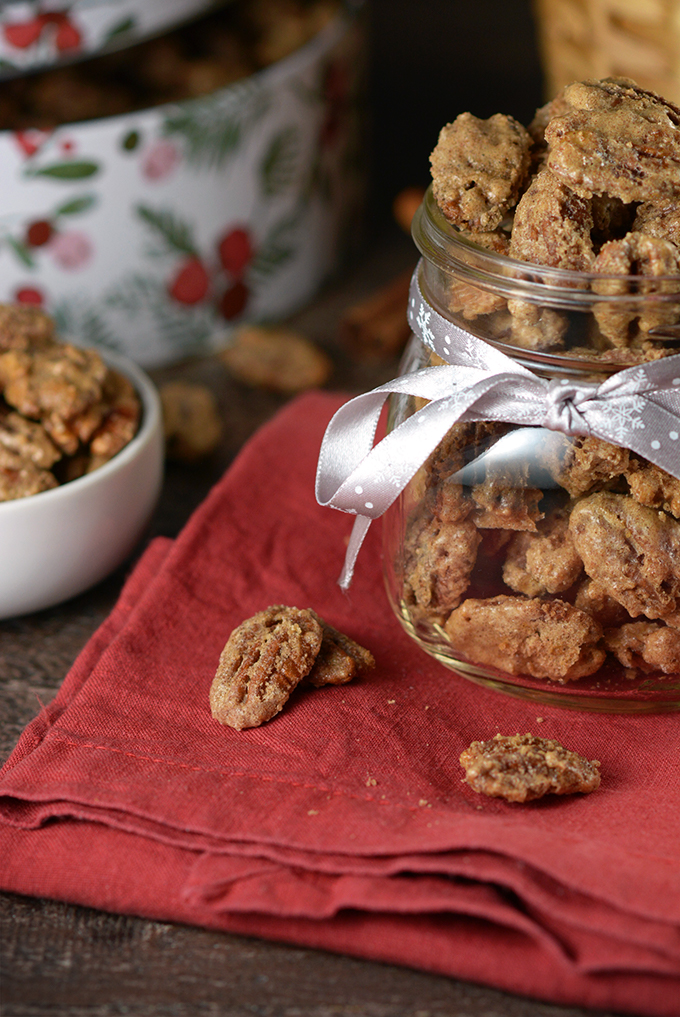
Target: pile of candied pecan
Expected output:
[592,186]
[546,577]
[63,411]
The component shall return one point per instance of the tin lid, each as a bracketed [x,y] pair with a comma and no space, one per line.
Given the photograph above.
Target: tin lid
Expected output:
[35,34]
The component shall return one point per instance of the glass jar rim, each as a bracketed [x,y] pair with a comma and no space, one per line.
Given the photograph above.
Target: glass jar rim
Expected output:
[446,247]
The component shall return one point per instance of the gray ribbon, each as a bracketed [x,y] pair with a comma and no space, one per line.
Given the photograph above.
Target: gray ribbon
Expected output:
[637,408]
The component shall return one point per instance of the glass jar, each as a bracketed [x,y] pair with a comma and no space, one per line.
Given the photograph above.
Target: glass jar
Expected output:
[541,563]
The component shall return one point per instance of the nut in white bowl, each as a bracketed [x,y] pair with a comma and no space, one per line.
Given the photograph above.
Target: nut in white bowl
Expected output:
[58,543]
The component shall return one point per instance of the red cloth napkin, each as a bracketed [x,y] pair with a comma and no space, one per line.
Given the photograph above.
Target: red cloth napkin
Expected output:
[343,823]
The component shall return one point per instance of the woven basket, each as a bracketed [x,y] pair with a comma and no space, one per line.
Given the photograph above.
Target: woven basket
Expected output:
[637,39]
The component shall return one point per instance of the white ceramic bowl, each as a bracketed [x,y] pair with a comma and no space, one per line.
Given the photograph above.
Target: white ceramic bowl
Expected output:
[55,544]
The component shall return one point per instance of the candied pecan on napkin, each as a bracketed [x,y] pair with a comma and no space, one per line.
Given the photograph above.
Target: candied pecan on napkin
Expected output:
[344,822]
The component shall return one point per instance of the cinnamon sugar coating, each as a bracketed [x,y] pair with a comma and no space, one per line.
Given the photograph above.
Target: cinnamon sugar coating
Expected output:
[473,301]
[601,197]
[589,464]
[640,255]
[501,505]
[27,439]
[440,555]
[61,407]
[616,139]
[645,645]
[650,485]
[520,768]
[479,168]
[596,602]
[661,220]
[529,636]
[552,225]
[268,655]
[545,561]
[21,477]
[631,551]
[536,328]
[339,658]
[264,659]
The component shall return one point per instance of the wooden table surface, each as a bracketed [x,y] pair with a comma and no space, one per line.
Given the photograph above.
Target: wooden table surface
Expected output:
[75,962]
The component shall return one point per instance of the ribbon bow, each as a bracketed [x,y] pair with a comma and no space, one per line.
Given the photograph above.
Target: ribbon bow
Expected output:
[637,408]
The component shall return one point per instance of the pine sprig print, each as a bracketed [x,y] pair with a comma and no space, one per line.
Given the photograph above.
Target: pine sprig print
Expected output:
[176,235]
[213,128]
[278,167]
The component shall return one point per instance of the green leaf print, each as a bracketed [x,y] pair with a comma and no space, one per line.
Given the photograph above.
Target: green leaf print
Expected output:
[176,234]
[79,170]
[279,164]
[21,250]
[76,205]
[126,25]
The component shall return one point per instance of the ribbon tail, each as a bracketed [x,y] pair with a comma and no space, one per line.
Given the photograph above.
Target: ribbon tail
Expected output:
[359,531]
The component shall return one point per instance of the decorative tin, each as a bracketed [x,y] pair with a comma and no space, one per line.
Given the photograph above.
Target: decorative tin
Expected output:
[153,232]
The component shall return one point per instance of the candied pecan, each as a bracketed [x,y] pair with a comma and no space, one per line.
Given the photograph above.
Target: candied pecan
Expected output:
[277,359]
[638,255]
[645,645]
[552,225]
[28,439]
[631,551]
[461,441]
[479,168]
[264,659]
[473,301]
[191,421]
[439,558]
[596,602]
[536,328]
[545,561]
[520,768]
[658,220]
[14,365]
[61,379]
[339,659]
[543,115]
[616,139]
[501,504]
[20,477]
[541,638]
[24,327]
[68,434]
[588,464]
[122,410]
[650,485]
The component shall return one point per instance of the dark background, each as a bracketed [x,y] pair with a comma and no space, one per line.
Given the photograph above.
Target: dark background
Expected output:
[431,60]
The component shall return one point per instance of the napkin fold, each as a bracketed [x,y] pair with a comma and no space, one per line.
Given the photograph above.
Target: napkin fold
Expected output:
[343,823]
